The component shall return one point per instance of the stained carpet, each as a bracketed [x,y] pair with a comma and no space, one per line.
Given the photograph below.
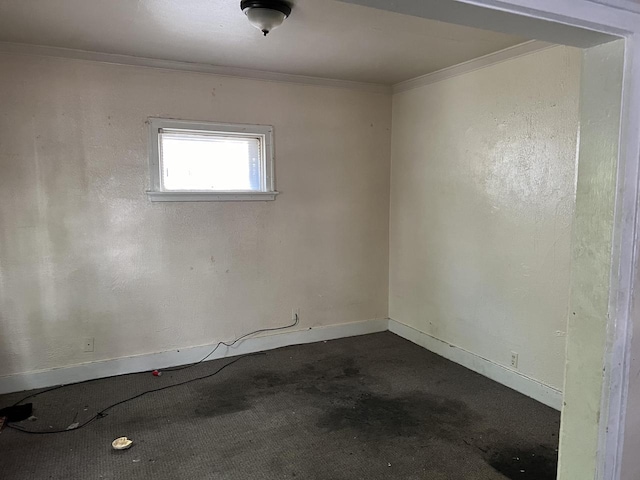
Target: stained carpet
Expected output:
[369,407]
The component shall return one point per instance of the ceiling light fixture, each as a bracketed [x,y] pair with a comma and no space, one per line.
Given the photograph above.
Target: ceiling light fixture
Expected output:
[265,15]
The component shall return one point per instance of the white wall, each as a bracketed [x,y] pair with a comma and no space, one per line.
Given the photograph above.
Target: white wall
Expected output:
[84,253]
[584,404]
[482,202]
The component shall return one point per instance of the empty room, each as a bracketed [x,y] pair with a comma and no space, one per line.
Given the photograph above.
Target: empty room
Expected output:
[311,239]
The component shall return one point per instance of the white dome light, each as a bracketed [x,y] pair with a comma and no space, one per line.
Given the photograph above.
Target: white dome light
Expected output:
[265,15]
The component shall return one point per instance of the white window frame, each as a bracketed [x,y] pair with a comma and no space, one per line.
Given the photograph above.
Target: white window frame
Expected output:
[157,194]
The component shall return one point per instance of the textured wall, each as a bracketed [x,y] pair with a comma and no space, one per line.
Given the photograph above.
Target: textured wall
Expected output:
[592,263]
[84,253]
[482,202]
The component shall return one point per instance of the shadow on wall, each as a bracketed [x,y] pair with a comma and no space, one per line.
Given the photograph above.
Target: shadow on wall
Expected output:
[6,357]
[56,288]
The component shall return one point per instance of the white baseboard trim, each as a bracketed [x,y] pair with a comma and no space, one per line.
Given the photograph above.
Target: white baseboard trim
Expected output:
[183,356]
[147,362]
[499,373]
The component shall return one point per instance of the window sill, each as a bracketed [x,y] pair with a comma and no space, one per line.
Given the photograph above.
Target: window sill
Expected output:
[211,196]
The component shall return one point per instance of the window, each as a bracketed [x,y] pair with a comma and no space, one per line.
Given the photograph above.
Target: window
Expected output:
[198,161]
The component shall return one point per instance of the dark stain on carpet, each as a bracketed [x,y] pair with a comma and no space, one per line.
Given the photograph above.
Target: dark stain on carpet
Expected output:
[373,407]
[537,463]
[333,378]
[417,414]
[345,401]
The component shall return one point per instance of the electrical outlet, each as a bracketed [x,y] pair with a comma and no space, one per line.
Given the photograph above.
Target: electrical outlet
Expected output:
[88,344]
[514,359]
[295,313]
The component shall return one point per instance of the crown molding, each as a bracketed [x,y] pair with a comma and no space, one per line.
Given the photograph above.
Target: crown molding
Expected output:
[500,56]
[247,73]
[626,5]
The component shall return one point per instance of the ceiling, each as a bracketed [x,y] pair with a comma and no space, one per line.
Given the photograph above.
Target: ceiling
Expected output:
[322,38]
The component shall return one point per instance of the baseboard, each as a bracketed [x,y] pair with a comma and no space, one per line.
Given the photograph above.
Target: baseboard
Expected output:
[173,358]
[147,362]
[499,373]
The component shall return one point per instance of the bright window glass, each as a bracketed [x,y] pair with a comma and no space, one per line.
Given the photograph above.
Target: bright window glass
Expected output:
[210,161]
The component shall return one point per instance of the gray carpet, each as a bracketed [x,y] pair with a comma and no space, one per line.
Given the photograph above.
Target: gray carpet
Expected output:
[369,407]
